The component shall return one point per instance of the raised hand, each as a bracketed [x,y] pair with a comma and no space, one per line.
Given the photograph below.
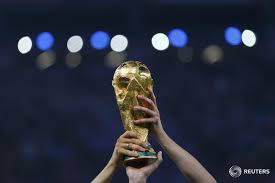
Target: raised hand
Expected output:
[127,144]
[152,121]
[140,175]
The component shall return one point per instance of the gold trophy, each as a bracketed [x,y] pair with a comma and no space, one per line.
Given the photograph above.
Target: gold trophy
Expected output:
[132,78]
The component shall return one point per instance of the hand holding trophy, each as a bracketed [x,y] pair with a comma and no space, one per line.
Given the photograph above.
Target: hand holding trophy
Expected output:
[132,78]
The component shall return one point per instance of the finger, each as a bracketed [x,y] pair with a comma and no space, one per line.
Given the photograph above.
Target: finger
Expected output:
[136,148]
[145,110]
[146,121]
[158,161]
[129,134]
[150,168]
[132,147]
[123,151]
[134,141]
[148,101]
[153,97]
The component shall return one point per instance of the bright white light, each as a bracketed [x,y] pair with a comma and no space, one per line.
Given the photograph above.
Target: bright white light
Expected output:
[119,43]
[160,41]
[75,44]
[249,38]
[24,44]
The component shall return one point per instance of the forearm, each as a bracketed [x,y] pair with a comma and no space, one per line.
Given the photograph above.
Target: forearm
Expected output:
[106,174]
[187,164]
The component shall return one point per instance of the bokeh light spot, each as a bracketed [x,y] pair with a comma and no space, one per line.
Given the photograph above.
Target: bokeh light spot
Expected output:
[160,41]
[73,60]
[100,40]
[114,59]
[233,36]
[249,38]
[212,54]
[178,38]
[24,44]
[119,43]
[46,59]
[75,44]
[44,41]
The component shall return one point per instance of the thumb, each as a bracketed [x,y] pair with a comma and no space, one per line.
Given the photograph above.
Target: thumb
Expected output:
[150,168]
[159,160]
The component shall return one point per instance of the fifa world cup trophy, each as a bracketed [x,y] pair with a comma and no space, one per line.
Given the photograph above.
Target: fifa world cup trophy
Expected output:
[132,78]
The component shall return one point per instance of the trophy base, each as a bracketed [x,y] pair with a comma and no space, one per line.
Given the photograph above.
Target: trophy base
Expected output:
[142,159]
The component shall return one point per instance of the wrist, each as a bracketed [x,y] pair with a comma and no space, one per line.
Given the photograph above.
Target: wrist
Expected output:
[160,134]
[116,159]
[137,180]
[113,164]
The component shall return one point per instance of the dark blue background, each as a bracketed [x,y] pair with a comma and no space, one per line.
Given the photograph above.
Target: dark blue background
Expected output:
[61,124]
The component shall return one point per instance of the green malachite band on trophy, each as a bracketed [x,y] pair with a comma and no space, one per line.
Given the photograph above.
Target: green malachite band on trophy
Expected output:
[151,154]
[141,155]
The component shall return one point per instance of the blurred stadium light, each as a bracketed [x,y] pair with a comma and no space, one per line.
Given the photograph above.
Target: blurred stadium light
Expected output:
[114,59]
[44,41]
[212,54]
[46,59]
[249,38]
[99,40]
[160,41]
[75,44]
[24,44]
[233,36]
[178,38]
[119,43]
[73,60]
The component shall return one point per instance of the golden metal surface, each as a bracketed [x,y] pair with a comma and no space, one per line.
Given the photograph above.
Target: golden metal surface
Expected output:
[130,79]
